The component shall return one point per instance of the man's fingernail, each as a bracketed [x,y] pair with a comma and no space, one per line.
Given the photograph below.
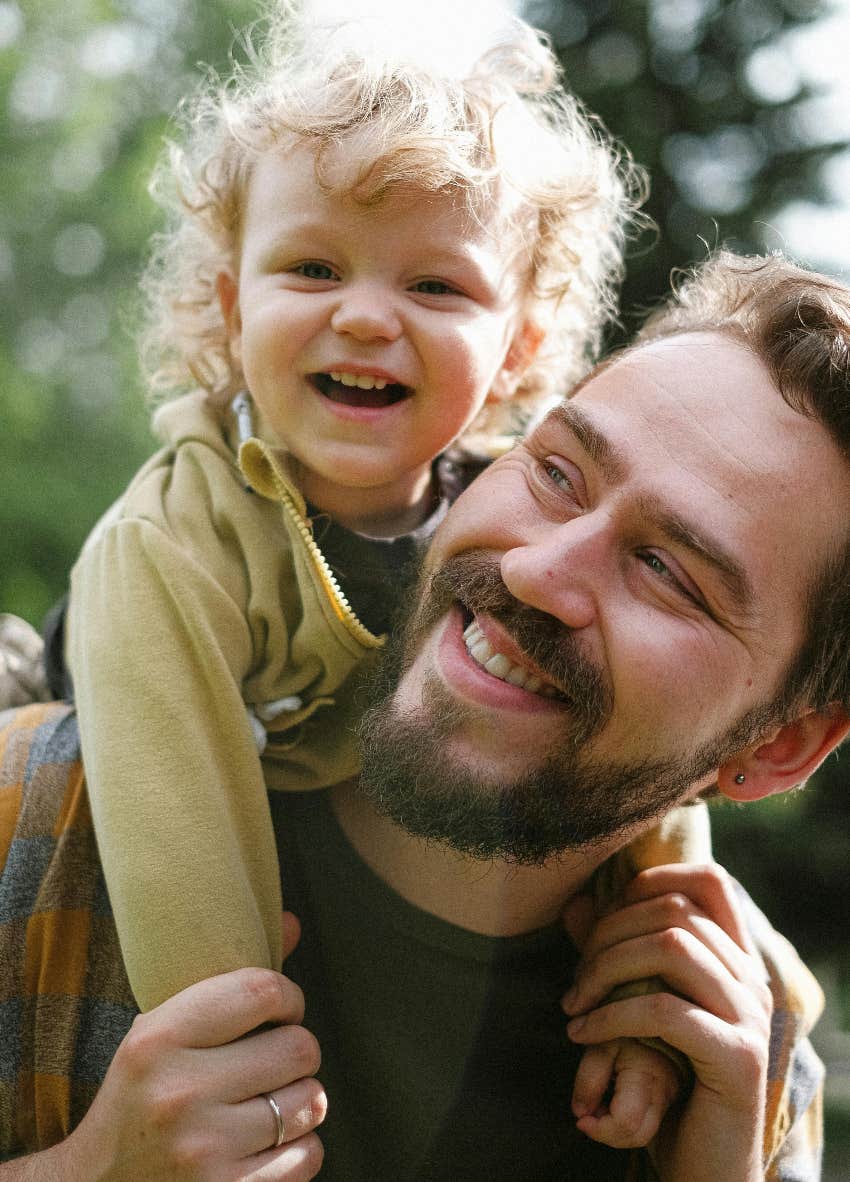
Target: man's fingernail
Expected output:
[579,1110]
[569,999]
[576,1026]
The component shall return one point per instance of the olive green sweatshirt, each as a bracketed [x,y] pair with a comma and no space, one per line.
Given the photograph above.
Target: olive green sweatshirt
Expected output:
[199,592]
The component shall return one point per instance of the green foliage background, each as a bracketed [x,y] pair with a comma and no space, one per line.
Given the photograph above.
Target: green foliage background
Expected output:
[86,87]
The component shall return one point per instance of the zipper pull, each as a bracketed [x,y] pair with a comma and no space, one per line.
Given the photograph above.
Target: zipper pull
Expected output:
[242,408]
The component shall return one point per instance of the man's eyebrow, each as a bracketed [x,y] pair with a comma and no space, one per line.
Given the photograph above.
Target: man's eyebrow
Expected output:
[614,466]
[597,445]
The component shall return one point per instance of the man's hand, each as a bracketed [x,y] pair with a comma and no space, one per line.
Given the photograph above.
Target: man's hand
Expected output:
[682,923]
[185,1097]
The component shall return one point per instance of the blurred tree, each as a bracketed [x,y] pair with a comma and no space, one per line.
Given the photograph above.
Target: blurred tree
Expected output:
[728,105]
[86,88]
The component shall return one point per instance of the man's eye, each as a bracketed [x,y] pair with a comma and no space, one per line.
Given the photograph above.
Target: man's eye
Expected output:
[313,270]
[433,287]
[659,567]
[558,476]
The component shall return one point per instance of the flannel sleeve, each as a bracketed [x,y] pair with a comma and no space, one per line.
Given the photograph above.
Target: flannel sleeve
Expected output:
[65,1003]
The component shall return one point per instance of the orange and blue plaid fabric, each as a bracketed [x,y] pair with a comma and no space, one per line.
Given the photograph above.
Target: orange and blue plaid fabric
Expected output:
[65,1003]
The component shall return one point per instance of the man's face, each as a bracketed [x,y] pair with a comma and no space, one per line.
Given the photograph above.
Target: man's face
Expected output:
[658,536]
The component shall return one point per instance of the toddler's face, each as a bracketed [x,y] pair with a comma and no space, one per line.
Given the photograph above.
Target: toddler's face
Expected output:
[369,337]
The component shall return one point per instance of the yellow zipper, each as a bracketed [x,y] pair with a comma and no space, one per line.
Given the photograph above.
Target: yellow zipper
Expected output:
[343,609]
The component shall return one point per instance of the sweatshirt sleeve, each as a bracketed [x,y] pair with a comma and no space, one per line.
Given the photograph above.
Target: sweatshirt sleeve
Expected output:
[158,649]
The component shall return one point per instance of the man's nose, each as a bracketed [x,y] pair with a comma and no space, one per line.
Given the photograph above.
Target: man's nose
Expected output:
[367,312]
[562,569]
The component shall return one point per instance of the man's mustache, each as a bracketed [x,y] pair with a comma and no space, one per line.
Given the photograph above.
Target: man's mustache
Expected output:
[475,580]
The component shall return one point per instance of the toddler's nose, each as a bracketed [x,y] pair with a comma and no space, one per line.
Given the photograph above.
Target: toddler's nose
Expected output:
[367,314]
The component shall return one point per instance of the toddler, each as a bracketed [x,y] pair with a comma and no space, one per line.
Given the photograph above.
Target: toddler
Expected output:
[376,268]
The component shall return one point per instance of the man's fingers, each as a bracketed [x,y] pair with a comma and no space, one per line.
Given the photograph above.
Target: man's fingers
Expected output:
[267,1060]
[709,886]
[220,1009]
[252,1126]
[296,1162]
[669,912]
[676,955]
[720,1052]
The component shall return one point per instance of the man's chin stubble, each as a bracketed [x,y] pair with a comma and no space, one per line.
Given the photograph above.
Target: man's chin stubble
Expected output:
[558,805]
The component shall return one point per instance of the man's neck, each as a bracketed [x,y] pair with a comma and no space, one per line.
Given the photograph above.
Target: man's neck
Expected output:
[494,898]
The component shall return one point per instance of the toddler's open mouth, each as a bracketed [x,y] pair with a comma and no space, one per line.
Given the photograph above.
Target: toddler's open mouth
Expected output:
[358,390]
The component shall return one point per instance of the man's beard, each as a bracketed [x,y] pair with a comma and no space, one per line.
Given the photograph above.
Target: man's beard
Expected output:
[564,801]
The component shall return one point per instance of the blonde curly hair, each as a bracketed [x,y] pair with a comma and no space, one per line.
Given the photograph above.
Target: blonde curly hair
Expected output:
[502,119]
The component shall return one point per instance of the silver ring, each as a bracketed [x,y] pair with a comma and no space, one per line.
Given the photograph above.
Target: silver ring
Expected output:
[278,1119]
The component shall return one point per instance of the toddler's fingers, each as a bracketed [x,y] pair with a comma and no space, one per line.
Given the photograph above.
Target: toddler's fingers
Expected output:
[593,1077]
[645,1085]
[608,1130]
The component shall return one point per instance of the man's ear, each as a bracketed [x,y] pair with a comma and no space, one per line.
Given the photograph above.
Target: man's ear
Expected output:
[785,758]
[521,352]
[227,290]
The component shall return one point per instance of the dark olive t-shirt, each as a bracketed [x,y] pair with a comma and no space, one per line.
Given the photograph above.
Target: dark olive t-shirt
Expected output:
[445,1057]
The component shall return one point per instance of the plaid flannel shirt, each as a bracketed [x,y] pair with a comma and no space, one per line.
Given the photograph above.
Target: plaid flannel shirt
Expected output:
[65,1003]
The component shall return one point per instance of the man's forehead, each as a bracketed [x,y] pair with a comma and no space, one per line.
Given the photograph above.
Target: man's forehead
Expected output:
[700,386]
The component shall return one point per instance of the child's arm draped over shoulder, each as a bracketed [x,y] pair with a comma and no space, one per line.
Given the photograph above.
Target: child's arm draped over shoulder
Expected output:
[159,645]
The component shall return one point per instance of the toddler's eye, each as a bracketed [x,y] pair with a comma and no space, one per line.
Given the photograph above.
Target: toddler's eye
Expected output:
[313,270]
[433,287]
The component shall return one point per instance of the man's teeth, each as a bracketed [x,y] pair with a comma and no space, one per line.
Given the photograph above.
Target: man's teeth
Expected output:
[483,653]
[361,380]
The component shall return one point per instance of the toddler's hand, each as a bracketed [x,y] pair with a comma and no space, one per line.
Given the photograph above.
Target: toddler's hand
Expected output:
[622,1092]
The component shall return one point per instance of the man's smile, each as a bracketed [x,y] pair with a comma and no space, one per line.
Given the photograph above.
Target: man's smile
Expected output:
[477,677]
[484,652]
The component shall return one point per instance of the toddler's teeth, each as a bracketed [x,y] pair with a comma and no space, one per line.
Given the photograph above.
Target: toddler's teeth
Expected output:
[335,377]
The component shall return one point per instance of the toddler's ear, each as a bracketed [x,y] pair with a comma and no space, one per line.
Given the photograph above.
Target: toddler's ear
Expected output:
[227,290]
[522,351]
